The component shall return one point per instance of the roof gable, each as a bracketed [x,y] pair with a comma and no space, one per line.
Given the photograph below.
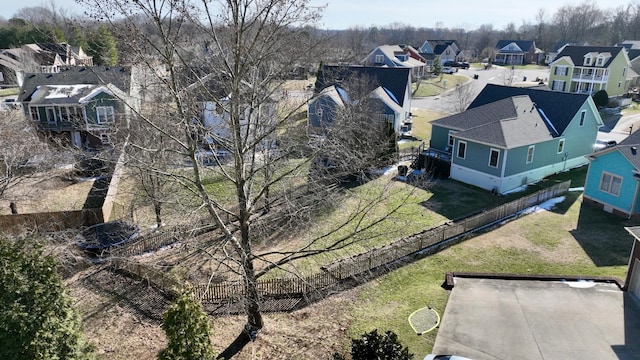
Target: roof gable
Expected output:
[578,53]
[559,107]
[118,76]
[396,80]
[515,45]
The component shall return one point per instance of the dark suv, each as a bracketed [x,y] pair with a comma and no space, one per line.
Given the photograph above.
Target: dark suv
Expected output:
[457,64]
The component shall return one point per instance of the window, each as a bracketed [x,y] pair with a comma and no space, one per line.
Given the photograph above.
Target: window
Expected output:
[558,85]
[530,151]
[624,71]
[610,183]
[379,59]
[494,156]
[561,70]
[451,137]
[582,116]
[619,84]
[105,114]
[462,149]
[35,114]
[560,146]
[600,61]
[587,60]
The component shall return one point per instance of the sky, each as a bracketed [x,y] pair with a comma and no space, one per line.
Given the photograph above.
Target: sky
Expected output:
[343,14]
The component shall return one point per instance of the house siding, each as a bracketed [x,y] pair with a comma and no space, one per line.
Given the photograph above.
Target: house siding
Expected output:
[616,75]
[477,158]
[439,138]
[616,164]
[329,109]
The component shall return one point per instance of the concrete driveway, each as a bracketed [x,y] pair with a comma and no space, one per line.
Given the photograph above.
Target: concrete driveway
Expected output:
[531,319]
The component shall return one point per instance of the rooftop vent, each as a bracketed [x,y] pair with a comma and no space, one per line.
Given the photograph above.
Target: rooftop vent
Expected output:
[634,150]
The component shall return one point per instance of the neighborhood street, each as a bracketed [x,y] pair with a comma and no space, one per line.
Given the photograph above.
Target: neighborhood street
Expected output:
[616,130]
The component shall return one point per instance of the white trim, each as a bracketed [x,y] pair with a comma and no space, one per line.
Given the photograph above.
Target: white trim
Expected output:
[530,154]
[491,152]
[560,150]
[464,155]
[608,188]
[109,115]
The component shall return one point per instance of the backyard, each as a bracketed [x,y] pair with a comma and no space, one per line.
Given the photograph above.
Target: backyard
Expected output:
[570,239]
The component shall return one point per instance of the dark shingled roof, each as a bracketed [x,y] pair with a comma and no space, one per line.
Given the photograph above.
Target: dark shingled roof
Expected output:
[525,45]
[577,53]
[119,76]
[506,123]
[559,107]
[393,79]
[633,53]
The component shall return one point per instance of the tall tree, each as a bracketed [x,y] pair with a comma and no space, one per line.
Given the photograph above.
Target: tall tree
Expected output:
[102,46]
[237,53]
[37,319]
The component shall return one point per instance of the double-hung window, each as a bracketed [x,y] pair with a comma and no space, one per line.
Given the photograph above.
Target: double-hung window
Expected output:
[105,114]
[494,157]
[610,183]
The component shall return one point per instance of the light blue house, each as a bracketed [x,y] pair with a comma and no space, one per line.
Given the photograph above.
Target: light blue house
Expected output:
[613,176]
[509,137]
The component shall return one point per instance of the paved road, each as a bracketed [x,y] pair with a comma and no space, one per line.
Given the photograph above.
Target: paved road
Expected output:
[446,102]
[496,75]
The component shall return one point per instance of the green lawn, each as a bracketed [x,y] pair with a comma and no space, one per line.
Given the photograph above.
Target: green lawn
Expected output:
[9,91]
[437,85]
[421,128]
[572,239]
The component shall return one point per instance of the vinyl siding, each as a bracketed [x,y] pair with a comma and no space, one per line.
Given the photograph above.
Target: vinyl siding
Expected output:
[613,163]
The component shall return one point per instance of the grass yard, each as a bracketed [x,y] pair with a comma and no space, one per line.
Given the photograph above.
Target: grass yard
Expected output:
[421,129]
[438,84]
[571,240]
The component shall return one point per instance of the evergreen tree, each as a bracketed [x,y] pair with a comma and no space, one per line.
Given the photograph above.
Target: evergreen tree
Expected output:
[374,346]
[102,46]
[188,331]
[37,320]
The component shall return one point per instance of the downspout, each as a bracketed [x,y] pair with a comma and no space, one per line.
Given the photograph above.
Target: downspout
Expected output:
[635,198]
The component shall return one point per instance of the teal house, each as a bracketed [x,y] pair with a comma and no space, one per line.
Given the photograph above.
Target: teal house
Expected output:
[509,137]
[613,178]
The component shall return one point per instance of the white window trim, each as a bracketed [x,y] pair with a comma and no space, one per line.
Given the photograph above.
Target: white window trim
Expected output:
[588,59]
[107,109]
[35,109]
[379,59]
[531,148]
[559,82]
[600,61]
[607,188]
[491,151]
[583,116]
[560,148]
[464,155]
[451,141]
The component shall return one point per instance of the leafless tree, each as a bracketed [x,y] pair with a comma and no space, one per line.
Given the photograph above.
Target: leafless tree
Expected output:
[461,97]
[236,54]
[21,149]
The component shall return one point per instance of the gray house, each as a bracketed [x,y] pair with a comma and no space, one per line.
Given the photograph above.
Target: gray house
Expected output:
[511,136]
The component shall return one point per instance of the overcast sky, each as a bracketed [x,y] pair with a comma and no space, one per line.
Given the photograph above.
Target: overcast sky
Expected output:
[342,14]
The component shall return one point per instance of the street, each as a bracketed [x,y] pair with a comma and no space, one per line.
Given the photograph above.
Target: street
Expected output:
[446,102]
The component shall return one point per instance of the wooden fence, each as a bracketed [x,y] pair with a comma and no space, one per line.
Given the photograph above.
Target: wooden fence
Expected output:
[427,241]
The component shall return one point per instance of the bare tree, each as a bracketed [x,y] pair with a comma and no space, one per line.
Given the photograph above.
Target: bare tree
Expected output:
[21,149]
[461,97]
[237,54]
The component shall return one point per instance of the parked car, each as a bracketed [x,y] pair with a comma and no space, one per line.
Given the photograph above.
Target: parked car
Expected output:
[448,70]
[456,64]
[602,144]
